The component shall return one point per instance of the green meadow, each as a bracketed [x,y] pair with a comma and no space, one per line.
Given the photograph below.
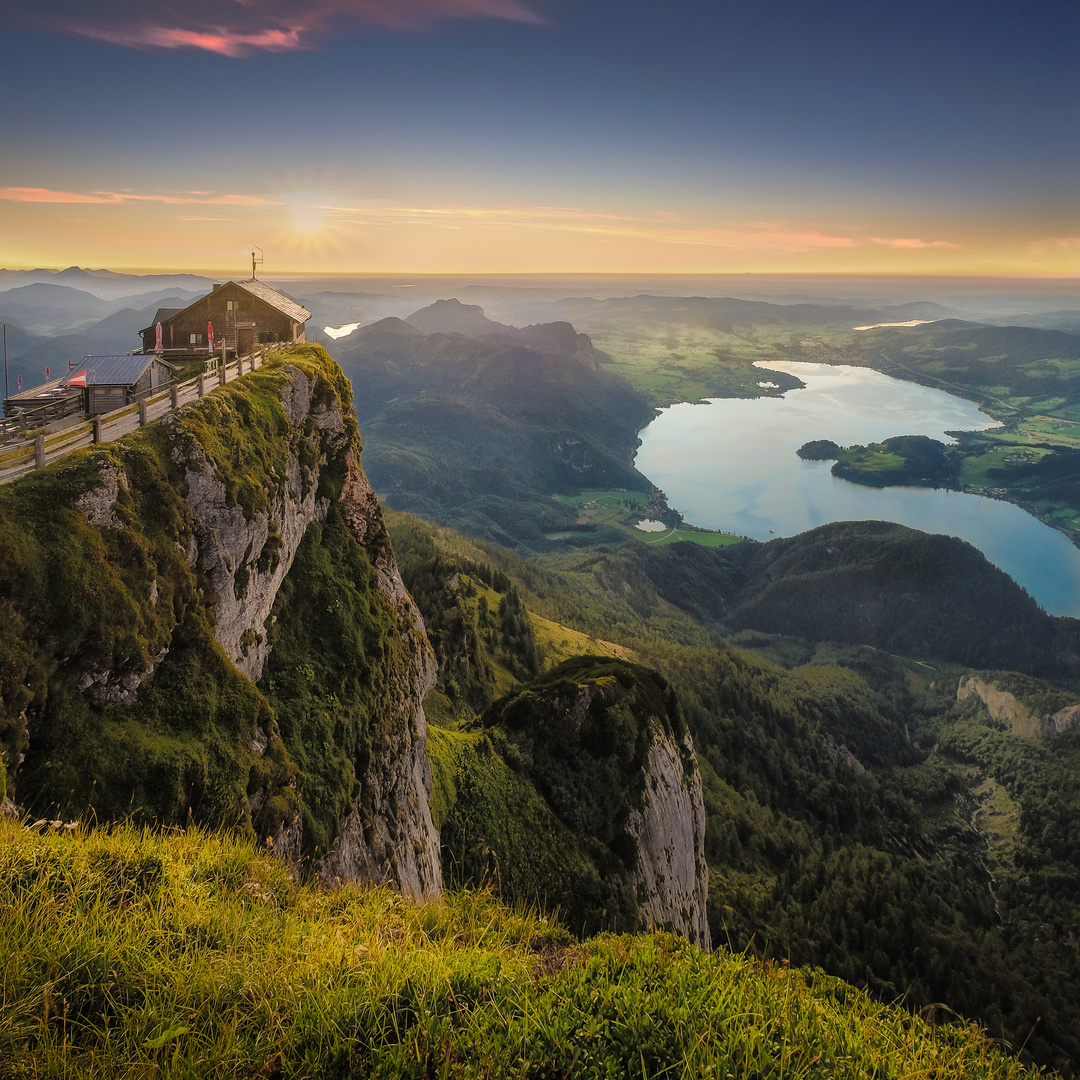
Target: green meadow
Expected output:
[129,953]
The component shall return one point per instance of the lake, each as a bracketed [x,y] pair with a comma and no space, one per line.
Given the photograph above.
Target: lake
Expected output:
[731,465]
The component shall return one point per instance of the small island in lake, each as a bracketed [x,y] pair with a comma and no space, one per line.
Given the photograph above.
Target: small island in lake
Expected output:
[819,450]
[913,460]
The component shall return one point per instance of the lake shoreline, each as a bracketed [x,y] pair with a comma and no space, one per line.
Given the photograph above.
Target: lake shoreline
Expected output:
[770,492]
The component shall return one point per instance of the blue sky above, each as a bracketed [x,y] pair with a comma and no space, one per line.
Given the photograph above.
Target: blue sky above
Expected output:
[552,135]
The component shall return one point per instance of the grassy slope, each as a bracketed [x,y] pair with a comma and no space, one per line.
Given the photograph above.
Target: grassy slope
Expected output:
[220,966]
[881,876]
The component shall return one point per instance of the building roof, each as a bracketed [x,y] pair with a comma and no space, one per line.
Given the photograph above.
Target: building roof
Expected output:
[275,299]
[113,370]
[260,290]
[52,389]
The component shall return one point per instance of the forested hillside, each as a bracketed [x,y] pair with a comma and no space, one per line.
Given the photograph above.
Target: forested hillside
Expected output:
[885,751]
[481,431]
[859,817]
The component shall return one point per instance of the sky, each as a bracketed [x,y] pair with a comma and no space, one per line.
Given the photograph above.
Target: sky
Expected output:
[542,136]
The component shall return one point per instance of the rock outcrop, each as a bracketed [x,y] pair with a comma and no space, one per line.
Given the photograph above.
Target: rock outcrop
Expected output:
[670,874]
[603,741]
[399,776]
[179,542]
[246,555]
[1006,707]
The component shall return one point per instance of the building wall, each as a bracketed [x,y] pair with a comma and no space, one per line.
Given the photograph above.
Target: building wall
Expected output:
[227,307]
[104,397]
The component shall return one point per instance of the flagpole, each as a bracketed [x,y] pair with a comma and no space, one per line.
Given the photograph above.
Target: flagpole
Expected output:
[6,395]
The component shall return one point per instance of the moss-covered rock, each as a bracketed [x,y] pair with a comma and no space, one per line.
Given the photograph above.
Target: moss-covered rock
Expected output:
[139,581]
[582,792]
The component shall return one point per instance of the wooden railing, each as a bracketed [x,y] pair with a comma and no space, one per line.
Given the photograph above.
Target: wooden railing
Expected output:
[14,428]
[19,458]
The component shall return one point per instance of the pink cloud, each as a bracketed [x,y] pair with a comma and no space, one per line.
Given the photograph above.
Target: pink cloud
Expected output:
[901,242]
[1055,244]
[665,228]
[47,195]
[242,27]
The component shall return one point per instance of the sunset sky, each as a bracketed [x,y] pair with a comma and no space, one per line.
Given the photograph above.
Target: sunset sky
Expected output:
[449,136]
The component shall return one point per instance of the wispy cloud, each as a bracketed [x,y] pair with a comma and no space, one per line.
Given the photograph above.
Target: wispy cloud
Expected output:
[906,242]
[782,237]
[242,27]
[48,195]
[1055,245]
[321,213]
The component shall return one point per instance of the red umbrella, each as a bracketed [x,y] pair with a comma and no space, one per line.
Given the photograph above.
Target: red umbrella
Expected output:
[157,338]
[210,335]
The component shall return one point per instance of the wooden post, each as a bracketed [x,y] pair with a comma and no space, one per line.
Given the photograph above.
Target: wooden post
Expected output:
[142,411]
[202,384]
[97,429]
[174,396]
[222,378]
[39,452]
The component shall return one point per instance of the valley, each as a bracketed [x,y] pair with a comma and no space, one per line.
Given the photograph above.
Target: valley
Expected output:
[768,747]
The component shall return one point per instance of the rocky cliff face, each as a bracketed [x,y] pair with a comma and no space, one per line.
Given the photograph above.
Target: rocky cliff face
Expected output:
[670,874]
[246,555]
[401,843]
[1005,706]
[138,690]
[604,743]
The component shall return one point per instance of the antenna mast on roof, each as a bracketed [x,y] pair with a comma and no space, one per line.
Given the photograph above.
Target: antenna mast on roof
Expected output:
[255,260]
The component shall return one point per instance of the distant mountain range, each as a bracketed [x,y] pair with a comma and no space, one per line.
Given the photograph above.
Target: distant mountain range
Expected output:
[104,284]
[476,423]
[49,324]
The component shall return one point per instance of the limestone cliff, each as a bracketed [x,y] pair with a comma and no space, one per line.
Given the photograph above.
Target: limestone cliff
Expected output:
[607,785]
[398,776]
[671,876]
[1022,720]
[143,587]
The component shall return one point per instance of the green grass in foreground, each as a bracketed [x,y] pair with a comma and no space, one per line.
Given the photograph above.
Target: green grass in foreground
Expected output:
[131,954]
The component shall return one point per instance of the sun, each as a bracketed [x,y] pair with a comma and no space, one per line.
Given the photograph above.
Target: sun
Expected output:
[307,212]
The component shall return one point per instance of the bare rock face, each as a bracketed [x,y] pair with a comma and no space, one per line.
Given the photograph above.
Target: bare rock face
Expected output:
[1023,721]
[1001,705]
[606,746]
[671,874]
[106,688]
[98,505]
[247,559]
[398,844]
[1066,719]
[845,758]
[238,556]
